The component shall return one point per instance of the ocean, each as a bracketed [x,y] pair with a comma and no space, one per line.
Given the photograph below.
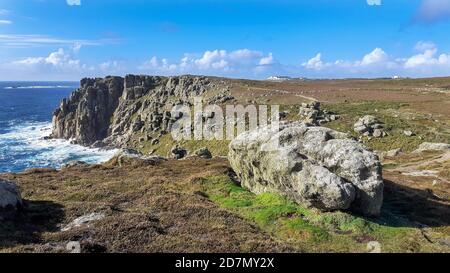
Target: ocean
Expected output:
[25,119]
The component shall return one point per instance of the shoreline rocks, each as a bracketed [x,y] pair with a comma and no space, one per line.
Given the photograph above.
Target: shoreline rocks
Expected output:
[315,166]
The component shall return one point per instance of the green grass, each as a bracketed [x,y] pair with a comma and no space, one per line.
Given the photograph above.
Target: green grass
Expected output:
[395,122]
[305,228]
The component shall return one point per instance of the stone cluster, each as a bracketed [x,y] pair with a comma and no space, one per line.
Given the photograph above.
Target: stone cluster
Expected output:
[369,126]
[311,113]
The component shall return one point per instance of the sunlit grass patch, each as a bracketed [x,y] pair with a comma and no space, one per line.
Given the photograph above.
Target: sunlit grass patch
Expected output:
[307,228]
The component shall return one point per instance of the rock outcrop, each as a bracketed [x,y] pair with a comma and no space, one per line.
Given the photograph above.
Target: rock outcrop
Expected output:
[315,166]
[311,113]
[85,117]
[10,197]
[114,111]
[370,126]
[134,158]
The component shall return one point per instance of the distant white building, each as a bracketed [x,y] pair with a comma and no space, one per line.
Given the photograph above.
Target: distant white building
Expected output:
[278,78]
[396,77]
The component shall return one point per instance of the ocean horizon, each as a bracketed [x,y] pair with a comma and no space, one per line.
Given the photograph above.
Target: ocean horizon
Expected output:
[26,109]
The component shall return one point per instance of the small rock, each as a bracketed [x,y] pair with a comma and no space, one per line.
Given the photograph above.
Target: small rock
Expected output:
[178,152]
[74,164]
[203,153]
[129,152]
[10,197]
[373,247]
[84,220]
[393,153]
[361,129]
[73,247]
[377,133]
[408,133]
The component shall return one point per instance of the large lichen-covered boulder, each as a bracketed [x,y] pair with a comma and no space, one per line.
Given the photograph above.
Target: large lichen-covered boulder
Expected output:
[315,166]
[10,197]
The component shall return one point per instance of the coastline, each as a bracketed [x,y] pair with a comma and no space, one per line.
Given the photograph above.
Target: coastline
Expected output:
[32,149]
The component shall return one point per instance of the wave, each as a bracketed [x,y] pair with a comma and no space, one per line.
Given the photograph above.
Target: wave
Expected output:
[24,147]
[39,87]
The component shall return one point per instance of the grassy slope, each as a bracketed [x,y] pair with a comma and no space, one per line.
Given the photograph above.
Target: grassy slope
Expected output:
[192,205]
[312,231]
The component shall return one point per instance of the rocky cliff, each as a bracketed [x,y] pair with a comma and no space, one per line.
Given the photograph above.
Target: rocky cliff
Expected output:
[112,111]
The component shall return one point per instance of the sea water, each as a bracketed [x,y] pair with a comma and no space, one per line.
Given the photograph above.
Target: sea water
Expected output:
[25,120]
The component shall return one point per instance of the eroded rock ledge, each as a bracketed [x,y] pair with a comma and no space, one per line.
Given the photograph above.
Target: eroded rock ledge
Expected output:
[111,111]
[315,166]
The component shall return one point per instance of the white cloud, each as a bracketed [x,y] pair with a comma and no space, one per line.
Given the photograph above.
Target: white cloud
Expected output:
[315,63]
[422,46]
[374,2]
[268,60]
[5,22]
[57,65]
[256,64]
[377,56]
[433,11]
[425,58]
[28,40]
[216,61]
[4,11]
[428,60]
[210,59]
[245,63]
[57,59]
[379,64]
[74,2]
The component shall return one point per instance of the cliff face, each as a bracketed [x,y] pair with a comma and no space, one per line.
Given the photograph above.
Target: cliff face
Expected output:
[112,110]
[85,116]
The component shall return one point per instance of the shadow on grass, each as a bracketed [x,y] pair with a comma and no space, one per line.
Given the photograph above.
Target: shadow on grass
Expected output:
[26,225]
[405,206]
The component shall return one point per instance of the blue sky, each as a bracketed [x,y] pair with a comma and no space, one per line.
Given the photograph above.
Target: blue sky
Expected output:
[70,39]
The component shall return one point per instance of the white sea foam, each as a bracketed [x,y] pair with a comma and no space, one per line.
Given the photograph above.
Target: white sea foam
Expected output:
[24,147]
[39,87]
